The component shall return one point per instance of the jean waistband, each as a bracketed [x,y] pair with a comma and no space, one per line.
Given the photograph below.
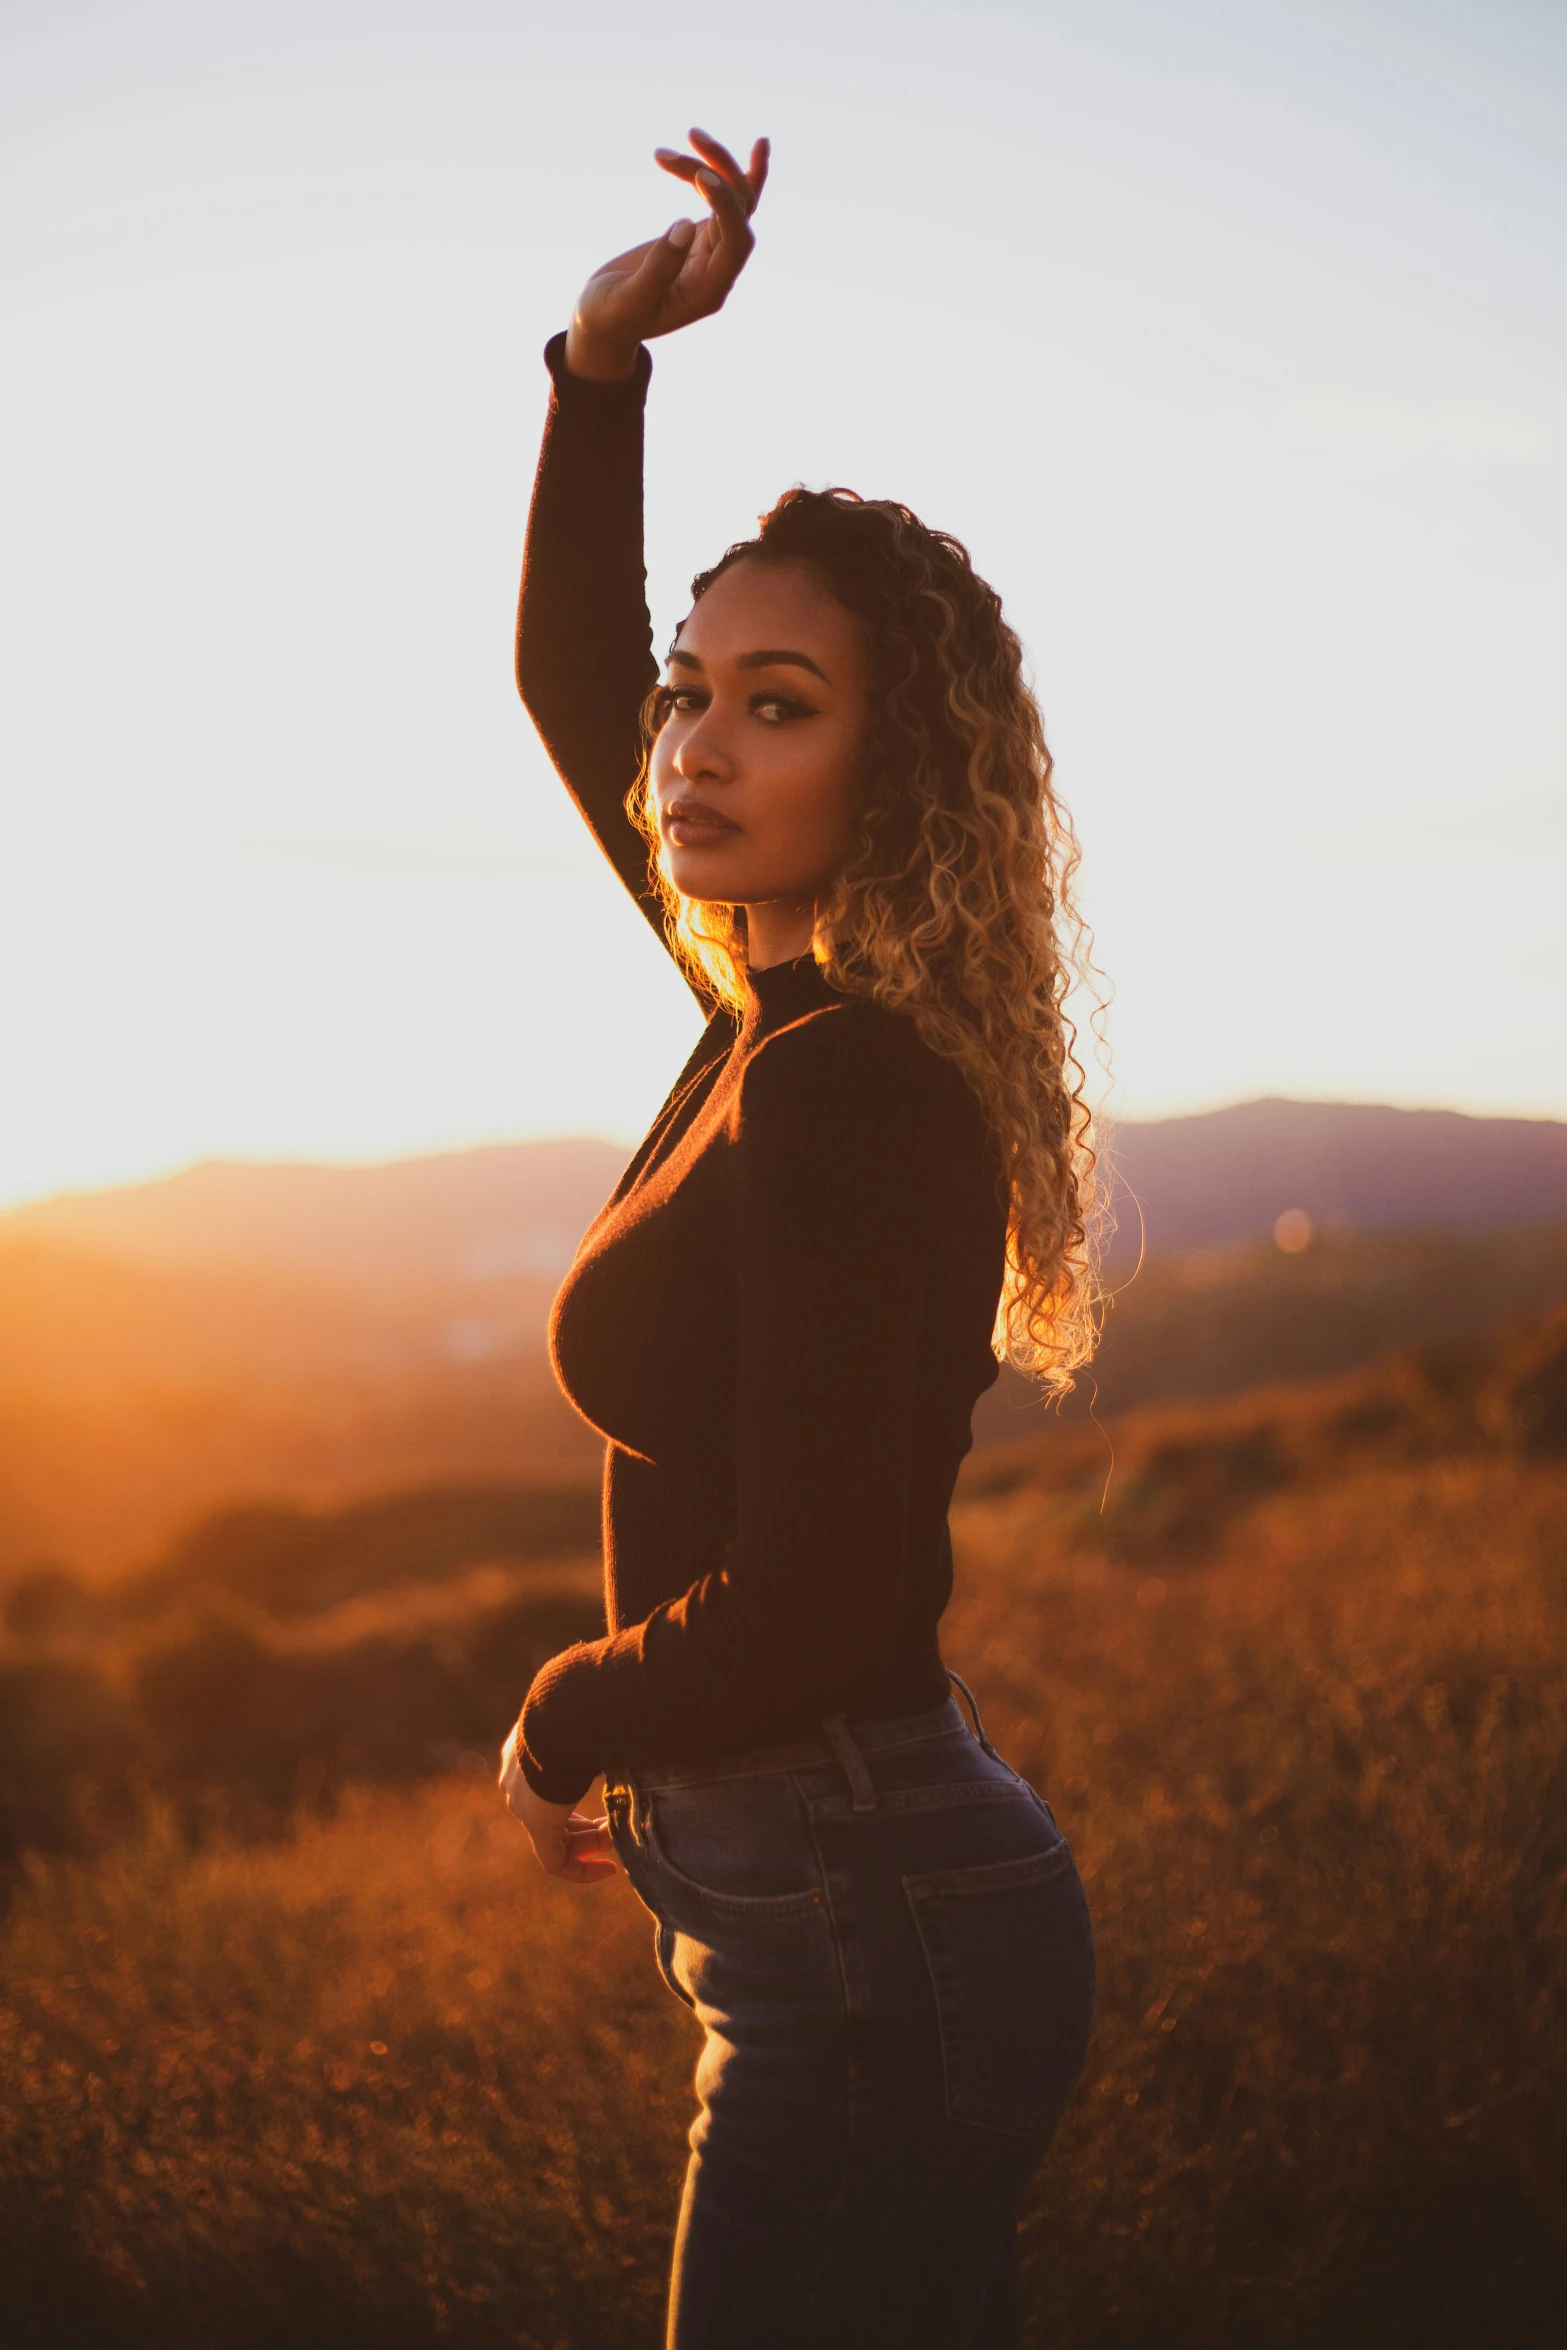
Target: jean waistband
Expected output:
[836,1740]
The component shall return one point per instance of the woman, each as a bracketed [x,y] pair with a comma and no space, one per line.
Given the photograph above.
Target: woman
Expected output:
[836,810]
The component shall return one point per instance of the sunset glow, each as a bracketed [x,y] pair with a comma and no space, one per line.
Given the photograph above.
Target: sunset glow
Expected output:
[1241,375]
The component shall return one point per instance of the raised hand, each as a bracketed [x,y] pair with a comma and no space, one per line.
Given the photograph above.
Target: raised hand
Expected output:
[674,279]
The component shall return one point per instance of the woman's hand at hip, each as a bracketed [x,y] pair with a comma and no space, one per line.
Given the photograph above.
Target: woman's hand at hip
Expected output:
[566,1842]
[674,279]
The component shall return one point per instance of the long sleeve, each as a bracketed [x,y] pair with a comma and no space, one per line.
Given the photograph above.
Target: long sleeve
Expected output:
[832,1188]
[585,660]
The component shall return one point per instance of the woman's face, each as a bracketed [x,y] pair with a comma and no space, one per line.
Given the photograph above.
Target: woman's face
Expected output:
[755,769]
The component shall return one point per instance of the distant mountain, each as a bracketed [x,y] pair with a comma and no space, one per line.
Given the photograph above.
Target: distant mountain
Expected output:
[518,1209]
[1229,1174]
[506,1210]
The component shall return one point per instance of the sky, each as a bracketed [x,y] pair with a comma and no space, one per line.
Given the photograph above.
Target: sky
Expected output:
[1231,335]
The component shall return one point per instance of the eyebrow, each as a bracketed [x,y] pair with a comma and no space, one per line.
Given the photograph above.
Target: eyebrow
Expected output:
[771,657]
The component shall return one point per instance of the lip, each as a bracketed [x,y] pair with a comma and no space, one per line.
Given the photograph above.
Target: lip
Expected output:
[692,824]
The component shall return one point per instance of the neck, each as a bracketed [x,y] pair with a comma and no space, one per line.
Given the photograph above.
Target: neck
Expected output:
[778,932]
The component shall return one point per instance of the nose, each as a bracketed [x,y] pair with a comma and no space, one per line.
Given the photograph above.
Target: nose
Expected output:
[702,755]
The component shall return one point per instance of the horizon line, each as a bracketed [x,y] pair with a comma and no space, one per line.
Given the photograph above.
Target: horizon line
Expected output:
[329,1163]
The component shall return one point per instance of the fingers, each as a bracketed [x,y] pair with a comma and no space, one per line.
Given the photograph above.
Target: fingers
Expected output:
[583,1853]
[718,158]
[589,1839]
[712,156]
[730,224]
[695,281]
[575,1847]
[586,1872]
[680,167]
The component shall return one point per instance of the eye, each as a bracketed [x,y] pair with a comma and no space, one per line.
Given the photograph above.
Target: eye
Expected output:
[684,697]
[779,709]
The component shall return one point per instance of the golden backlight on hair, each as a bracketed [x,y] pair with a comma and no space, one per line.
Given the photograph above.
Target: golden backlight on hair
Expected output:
[955,907]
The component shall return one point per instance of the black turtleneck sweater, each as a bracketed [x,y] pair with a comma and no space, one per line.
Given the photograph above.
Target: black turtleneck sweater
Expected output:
[781,1321]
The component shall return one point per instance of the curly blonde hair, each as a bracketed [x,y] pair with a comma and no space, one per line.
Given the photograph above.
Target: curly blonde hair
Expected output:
[955,906]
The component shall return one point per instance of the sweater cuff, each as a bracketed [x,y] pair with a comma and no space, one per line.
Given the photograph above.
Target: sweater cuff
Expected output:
[575,389]
[557,1765]
[551,1787]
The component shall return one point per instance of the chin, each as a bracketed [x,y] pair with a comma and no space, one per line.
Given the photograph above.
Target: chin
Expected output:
[707,876]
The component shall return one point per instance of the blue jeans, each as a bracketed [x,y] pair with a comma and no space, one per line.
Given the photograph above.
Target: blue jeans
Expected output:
[883,1935]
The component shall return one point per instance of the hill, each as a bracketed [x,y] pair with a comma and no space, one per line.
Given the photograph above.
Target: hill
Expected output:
[479,1215]
[1228,1174]
[1213,1321]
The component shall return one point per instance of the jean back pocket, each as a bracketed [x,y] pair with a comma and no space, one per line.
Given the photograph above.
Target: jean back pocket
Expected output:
[1010,1954]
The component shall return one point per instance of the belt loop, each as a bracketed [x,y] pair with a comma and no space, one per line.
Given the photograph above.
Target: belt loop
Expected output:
[836,1731]
[973,1705]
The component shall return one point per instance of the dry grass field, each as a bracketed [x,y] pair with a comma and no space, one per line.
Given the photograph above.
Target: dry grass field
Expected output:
[376,2082]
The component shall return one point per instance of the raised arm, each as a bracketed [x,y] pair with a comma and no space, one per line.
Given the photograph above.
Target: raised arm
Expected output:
[584,641]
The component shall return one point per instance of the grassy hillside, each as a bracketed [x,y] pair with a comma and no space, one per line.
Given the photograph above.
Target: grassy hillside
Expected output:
[275,1654]
[1299,1697]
